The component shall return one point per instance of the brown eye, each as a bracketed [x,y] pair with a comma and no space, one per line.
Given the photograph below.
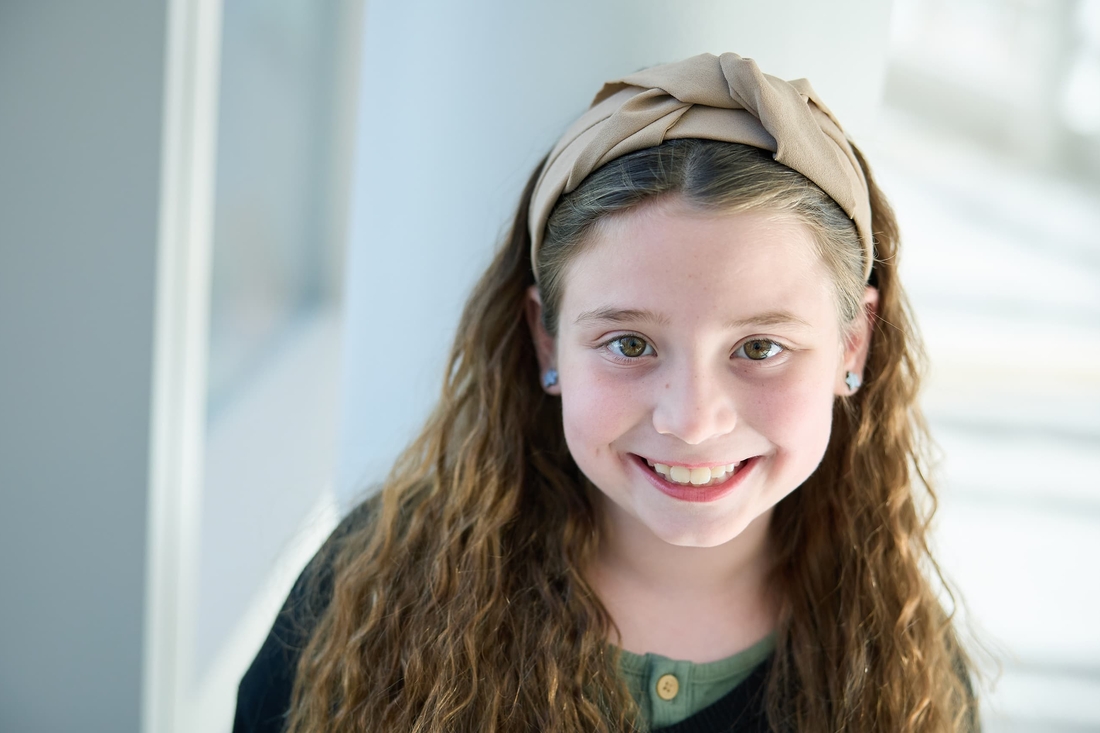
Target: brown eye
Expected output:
[759,349]
[630,346]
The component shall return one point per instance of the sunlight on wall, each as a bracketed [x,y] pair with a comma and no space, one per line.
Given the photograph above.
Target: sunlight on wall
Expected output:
[988,154]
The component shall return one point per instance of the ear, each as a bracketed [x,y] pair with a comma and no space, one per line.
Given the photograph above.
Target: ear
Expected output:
[857,342]
[545,347]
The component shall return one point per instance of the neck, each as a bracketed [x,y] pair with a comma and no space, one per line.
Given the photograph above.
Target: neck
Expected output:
[651,588]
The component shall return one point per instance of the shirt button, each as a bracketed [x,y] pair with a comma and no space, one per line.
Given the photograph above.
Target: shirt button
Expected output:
[667,686]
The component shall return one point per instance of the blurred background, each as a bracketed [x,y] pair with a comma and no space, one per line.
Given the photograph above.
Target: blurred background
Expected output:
[235,234]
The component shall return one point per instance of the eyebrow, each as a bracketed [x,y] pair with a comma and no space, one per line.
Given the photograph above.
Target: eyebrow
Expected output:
[771,318]
[608,314]
[623,315]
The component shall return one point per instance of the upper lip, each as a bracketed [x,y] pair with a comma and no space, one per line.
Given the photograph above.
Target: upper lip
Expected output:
[689,464]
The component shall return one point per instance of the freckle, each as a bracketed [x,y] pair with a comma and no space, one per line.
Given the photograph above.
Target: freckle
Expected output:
[666,384]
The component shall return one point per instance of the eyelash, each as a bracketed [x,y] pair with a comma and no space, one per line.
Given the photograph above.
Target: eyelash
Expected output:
[622,358]
[775,345]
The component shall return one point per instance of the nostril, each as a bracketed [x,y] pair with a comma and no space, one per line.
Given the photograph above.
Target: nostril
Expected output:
[694,418]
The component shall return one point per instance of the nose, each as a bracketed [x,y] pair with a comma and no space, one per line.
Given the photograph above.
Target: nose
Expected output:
[696,403]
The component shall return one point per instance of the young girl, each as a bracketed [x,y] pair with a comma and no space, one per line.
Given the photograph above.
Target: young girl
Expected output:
[671,482]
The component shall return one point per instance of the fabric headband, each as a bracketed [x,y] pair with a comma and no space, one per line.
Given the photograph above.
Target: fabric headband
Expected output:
[724,98]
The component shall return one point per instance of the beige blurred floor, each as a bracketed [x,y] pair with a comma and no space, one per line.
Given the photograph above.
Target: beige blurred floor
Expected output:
[1003,266]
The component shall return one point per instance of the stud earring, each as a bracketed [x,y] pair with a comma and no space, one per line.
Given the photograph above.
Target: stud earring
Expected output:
[853,381]
[550,378]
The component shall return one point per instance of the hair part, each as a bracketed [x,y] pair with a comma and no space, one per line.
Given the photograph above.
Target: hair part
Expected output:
[709,176]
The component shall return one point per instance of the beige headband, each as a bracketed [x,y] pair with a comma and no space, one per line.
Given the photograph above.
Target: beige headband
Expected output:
[711,97]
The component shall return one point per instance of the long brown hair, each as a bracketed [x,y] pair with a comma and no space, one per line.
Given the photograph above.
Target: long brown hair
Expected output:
[462,603]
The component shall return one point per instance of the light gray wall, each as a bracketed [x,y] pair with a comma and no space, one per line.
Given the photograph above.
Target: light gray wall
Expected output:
[459,101]
[80,125]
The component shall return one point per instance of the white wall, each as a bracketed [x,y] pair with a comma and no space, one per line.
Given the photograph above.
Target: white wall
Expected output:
[80,122]
[458,103]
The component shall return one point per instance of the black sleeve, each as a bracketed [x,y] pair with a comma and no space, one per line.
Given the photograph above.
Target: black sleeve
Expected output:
[973,719]
[263,697]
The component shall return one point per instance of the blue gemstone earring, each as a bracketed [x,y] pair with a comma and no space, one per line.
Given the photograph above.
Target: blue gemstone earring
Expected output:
[853,381]
[550,378]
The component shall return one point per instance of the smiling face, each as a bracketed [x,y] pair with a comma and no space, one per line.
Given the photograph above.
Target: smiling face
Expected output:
[698,357]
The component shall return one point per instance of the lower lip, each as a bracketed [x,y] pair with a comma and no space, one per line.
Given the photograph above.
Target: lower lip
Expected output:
[696,494]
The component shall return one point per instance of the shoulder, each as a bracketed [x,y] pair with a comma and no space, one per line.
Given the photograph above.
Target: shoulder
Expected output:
[263,697]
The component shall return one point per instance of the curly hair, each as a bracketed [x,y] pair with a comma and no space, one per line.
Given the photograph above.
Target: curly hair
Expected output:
[462,605]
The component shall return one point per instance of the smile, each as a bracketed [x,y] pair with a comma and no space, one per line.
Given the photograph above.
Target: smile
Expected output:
[691,484]
[702,476]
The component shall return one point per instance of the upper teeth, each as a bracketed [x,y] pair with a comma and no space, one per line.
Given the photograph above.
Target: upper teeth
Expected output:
[693,476]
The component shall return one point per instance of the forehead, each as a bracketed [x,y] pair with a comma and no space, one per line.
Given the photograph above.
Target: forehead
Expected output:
[673,259]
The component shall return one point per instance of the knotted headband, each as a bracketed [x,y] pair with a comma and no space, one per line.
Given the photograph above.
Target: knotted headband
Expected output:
[724,98]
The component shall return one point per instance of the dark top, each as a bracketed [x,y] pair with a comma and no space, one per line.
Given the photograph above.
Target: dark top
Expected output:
[263,698]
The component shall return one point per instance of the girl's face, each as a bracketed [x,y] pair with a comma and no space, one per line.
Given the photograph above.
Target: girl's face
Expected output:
[698,356]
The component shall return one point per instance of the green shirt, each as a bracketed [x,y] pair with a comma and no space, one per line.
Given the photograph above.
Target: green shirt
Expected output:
[670,690]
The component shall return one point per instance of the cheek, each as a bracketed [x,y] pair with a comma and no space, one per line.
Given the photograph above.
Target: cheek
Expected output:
[596,409]
[796,415]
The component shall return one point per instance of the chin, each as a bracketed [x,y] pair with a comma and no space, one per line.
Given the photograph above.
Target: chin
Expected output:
[698,534]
